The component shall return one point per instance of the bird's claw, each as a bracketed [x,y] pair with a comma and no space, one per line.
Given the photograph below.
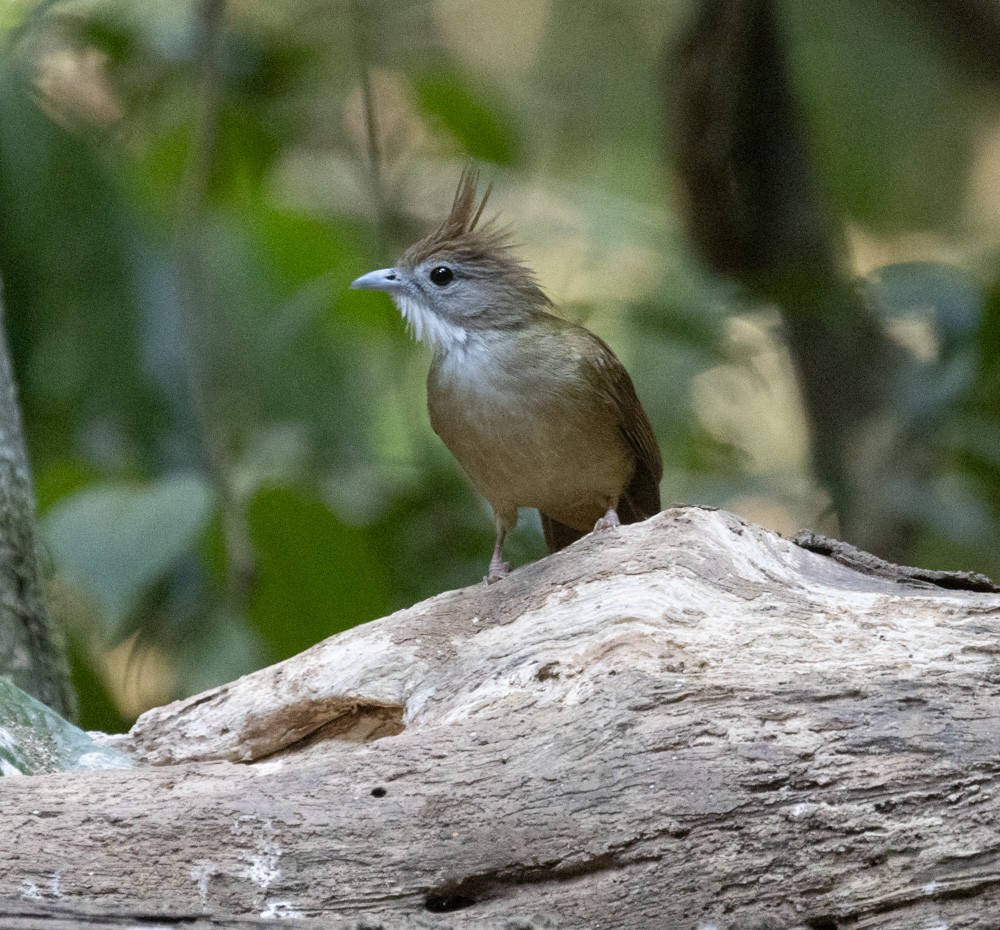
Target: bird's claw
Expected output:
[608,522]
[498,570]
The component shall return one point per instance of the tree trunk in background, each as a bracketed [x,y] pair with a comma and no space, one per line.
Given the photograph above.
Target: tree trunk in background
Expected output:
[755,212]
[689,722]
[32,653]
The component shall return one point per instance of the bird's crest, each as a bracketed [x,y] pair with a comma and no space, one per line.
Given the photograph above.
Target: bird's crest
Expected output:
[460,235]
[484,250]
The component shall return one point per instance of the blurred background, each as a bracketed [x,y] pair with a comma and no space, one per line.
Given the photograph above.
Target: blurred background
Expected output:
[783,216]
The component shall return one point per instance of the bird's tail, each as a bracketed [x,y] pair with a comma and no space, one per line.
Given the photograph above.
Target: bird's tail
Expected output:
[559,535]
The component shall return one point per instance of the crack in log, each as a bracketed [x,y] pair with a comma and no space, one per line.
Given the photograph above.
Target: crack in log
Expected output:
[489,885]
[492,884]
[822,923]
[945,890]
[28,915]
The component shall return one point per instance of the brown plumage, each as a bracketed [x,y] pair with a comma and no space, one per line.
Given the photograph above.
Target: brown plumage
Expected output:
[539,412]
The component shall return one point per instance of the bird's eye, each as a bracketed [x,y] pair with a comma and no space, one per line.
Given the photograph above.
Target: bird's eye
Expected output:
[441,275]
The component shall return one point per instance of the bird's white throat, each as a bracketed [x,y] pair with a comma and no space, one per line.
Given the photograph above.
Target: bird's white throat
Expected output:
[427,326]
[467,358]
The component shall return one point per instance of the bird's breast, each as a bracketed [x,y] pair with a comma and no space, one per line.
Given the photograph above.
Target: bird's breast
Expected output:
[529,431]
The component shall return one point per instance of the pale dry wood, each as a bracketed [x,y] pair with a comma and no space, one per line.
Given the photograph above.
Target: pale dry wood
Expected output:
[684,723]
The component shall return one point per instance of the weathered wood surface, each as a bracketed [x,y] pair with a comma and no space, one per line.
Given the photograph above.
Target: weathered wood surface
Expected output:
[685,723]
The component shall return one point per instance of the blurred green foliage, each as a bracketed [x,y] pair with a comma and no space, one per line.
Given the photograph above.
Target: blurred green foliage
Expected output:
[231,451]
[891,118]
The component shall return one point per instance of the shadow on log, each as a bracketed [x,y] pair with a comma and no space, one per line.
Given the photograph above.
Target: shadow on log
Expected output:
[685,723]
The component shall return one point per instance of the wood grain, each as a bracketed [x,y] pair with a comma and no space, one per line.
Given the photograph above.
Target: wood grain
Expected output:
[684,723]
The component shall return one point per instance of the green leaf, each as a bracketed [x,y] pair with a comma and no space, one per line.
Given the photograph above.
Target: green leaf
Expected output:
[61,478]
[317,575]
[73,255]
[221,647]
[948,303]
[485,131]
[98,708]
[116,540]
[946,295]
[989,356]
[35,740]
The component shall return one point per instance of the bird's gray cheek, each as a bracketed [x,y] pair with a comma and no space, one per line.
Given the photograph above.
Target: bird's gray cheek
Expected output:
[460,305]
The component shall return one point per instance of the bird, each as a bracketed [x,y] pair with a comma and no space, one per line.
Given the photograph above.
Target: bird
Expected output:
[537,410]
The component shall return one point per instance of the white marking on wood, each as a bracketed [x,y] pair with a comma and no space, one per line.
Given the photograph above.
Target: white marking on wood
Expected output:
[261,866]
[202,872]
[281,910]
[30,890]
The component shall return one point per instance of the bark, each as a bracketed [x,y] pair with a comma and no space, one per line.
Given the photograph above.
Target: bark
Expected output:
[689,722]
[32,652]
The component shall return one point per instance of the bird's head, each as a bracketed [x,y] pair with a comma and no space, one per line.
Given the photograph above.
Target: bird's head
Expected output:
[462,278]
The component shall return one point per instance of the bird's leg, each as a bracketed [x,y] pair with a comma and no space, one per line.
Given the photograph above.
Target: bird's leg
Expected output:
[609,521]
[498,567]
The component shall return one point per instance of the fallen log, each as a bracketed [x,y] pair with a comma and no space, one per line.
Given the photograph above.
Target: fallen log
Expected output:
[686,723]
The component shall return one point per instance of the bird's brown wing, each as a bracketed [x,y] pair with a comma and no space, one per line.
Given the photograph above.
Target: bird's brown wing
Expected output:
[641,497]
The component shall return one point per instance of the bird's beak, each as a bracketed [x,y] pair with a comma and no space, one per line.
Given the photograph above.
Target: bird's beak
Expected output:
[385,279]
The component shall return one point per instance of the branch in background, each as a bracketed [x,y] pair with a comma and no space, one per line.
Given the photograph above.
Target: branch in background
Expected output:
[755,212]
[32,651]
[361,22]
[191,248]
[362,15]
[969,29]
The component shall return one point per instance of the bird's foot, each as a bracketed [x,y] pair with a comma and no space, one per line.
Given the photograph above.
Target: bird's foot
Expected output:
[608,522]
[497,571]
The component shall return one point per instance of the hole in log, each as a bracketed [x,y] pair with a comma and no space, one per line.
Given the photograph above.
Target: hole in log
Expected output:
[547,671]
[364,723]
[379,792]
[822,923]
[353,721]
[445,902]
